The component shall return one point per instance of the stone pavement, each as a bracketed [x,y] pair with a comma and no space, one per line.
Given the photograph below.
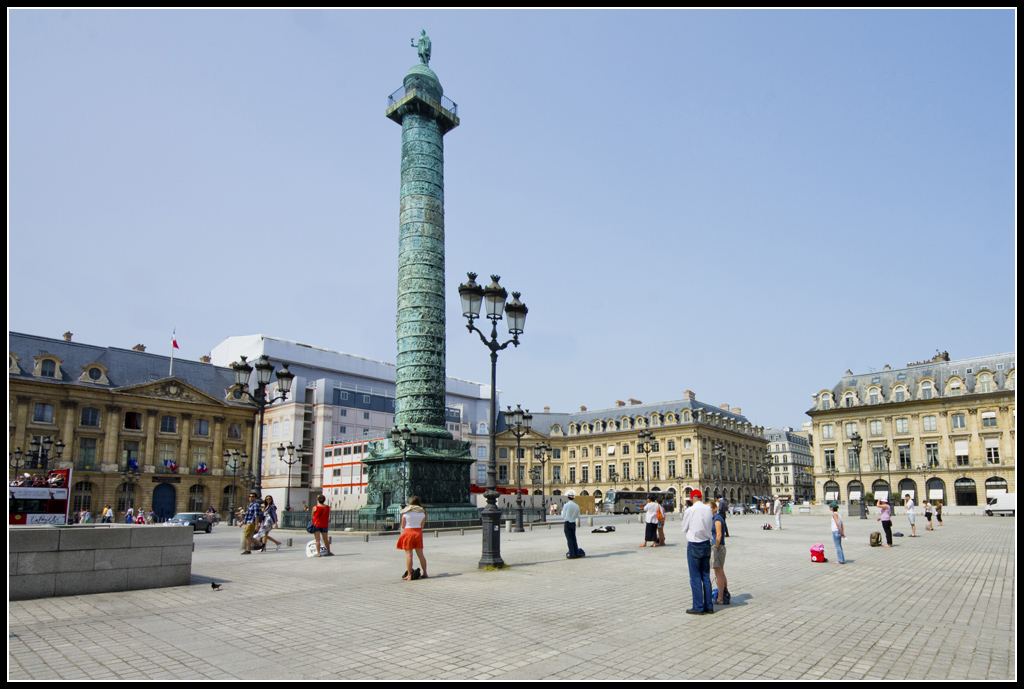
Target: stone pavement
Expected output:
[941,606]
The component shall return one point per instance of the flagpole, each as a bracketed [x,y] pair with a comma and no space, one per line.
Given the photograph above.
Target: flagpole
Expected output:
[174,343]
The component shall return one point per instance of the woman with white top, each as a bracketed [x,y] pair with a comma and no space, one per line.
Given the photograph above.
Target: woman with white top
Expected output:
[413,519]
[837,532]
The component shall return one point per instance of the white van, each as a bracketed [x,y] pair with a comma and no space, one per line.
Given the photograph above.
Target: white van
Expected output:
[1003,504]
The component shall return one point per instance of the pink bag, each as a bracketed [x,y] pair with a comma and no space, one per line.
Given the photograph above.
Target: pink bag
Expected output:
[818,553]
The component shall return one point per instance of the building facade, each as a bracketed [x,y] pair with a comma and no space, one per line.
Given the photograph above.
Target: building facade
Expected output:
[135,434]
[792,464]
[339,398]
[947,427]
[695,445]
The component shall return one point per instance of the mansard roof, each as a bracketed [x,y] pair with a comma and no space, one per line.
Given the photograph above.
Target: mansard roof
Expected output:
[125,368]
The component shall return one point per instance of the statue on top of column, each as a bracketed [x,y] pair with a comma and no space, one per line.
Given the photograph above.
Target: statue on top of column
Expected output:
[422,46]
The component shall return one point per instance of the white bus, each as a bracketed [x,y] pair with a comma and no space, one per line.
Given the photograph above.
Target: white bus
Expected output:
[633,501]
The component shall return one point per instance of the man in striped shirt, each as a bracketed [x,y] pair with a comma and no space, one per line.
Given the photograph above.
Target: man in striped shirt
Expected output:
[253,518]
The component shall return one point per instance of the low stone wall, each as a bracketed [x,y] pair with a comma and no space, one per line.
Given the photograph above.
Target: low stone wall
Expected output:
[48,561]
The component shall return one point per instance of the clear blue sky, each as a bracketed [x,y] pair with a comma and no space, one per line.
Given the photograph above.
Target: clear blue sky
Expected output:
[742,204]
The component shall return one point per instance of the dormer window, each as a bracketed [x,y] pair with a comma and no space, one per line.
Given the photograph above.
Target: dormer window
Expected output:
[47,368]
[926,390]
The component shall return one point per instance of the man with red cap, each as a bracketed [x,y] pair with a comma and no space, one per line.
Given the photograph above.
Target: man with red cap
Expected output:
[697,524]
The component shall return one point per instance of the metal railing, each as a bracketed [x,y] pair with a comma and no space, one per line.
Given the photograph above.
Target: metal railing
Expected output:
[340,520]
[446,102]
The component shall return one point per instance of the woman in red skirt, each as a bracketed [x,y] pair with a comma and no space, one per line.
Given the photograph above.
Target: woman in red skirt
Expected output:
[413,519]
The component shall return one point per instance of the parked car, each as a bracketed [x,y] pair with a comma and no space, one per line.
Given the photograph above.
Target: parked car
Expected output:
[198,520]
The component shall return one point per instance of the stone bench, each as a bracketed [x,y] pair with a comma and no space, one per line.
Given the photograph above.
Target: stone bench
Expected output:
[48,561]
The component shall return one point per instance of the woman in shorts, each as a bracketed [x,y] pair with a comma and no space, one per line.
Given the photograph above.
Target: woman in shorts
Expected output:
[927,515]
[269,522]
[718,555]
[321,511]
[413,519]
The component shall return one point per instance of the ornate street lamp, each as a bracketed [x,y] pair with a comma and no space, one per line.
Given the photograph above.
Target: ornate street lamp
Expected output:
[403,439]
[541,451]
[39,453]
[264,370]
[518,423]
[292,459]
[857,444]
[233,462]
[644,444]
[887,456]
[493,296]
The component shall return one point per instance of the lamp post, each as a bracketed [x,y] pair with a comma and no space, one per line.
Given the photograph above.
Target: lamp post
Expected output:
[518,423]
[493,296]
[857,443]
[39,454]
[764,472]
[404,438]
[887,456]
[232,462]
[718,450]
[129,478]
[540,454]
[292,459]
[644,440]
[264,369]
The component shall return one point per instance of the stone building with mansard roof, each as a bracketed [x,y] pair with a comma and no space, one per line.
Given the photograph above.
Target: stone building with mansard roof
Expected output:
[133,434]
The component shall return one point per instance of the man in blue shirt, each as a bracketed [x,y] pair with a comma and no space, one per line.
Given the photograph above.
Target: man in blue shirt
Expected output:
[570,513]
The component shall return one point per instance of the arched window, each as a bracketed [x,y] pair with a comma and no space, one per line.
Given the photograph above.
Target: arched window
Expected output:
[125,497]
[82,496]
[228,501]
[995,485]
[196,498]
[985,382]
[907,485]
[926,390]
[965,491]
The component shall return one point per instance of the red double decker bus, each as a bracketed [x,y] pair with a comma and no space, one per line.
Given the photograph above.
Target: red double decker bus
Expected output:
[39,499]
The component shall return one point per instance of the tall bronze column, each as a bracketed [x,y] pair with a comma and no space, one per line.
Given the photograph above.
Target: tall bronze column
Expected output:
[437,469]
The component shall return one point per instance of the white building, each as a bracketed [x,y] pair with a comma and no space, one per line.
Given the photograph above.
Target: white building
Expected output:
[791,470]
[339,398]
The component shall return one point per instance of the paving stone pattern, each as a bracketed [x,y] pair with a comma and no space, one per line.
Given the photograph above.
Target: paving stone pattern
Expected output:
[940,606]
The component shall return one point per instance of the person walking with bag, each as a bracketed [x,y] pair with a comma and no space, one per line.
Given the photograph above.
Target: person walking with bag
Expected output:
[413,519]
[269,523]
[838,534]
[321,513]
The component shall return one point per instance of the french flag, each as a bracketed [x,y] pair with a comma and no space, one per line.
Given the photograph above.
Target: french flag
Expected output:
[174,339]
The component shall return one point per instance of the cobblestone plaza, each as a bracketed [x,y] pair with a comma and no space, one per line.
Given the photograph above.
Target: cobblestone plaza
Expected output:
[940,606]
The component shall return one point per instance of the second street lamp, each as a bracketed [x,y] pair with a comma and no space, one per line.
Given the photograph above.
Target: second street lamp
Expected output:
[472,296]
[645,440]
[405,438]
[540,454]
[518,423]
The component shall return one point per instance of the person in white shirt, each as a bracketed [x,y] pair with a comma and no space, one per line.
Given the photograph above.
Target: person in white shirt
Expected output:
[908,502]
[651,511]
[570,513]
[697,527]
[778,514]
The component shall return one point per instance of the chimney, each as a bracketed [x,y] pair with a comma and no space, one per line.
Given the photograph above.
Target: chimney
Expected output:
[139,348]
[737,411]
[620,403]
[67,336]
[582,408]
[547,410]
[634,402]
[688,394]
[205,358]
[724,406]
